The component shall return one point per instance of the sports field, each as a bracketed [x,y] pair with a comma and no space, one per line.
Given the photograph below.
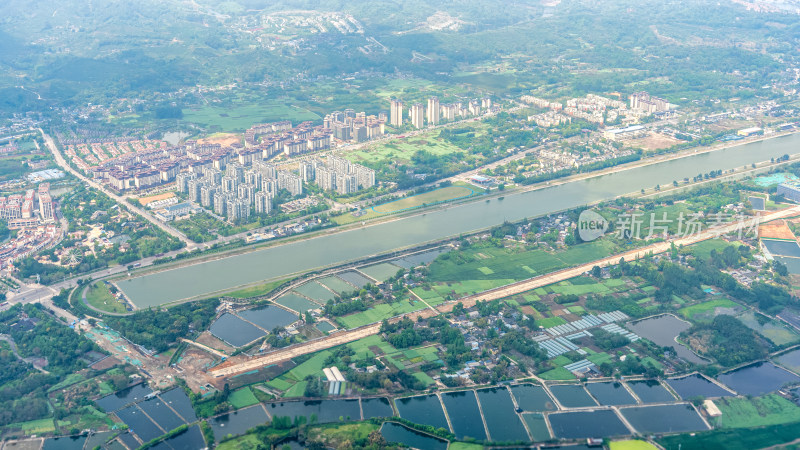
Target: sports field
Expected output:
[428,198]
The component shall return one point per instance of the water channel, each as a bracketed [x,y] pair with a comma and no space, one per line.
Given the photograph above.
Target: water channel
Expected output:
[282,260]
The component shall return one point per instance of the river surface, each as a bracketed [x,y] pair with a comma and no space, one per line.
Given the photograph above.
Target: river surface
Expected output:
[296,257]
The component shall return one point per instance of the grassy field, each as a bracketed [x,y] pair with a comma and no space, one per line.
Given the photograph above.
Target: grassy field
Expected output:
[507,264]
[558,373]
[703,249]
[403,149]
[32,427]
[464,446]
[339,433]
[313,366]
[737,439]
[254,291]
[242,398]
[241,117]
[632,445]
[768,410]
[706,307]
[378,313]
[428,198]
[551,322]
[100,297]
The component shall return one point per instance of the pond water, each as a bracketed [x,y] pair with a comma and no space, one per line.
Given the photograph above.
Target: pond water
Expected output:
[465,417]
[137,422]
[337,284]
[326,411]
[99,438]
[354,278]
[650,391]
[394,432]
[177,399]
[268,317]
[757,379]
[586,424]
[611,393]
[694,385]
[315,291]
[663,330]
[418,259]
[663,418]
[537,426]
[422,409]
[234,330]
[572,395]
[161,414]
[238,422]
[129,440]
[116,401]
[532,398]
[296,302]
[300,256]
[790,360]
[190,440]
[502,421]
[65,443]
[376,407]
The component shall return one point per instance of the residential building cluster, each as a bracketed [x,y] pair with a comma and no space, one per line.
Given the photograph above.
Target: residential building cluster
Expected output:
[263,141]
[29,241]
[337,174]
[231,194]
[350,126]
[597,109]
[644,102]
[29,209]
[435,112]
[87,155]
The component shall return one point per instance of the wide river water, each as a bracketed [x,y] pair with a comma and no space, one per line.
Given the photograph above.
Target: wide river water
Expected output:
[282,260]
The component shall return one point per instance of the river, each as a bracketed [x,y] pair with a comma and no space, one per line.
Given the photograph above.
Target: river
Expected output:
[296,257]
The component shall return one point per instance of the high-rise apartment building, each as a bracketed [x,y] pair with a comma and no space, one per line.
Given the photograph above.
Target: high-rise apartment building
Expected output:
[433,111]
[396,113]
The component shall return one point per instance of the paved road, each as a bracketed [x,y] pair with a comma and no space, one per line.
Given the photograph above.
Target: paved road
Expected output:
[241,364]
[120,200]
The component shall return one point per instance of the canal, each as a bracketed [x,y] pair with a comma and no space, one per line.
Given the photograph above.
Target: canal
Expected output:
[296,257]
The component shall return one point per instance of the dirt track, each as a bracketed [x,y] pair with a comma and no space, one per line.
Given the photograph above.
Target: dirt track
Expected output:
[239,365]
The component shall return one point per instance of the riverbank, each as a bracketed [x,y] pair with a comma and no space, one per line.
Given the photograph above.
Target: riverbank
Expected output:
[424,227]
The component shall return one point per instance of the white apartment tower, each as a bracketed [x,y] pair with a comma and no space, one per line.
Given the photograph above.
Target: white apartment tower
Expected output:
[396,113]
[418,115]
[433,111]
